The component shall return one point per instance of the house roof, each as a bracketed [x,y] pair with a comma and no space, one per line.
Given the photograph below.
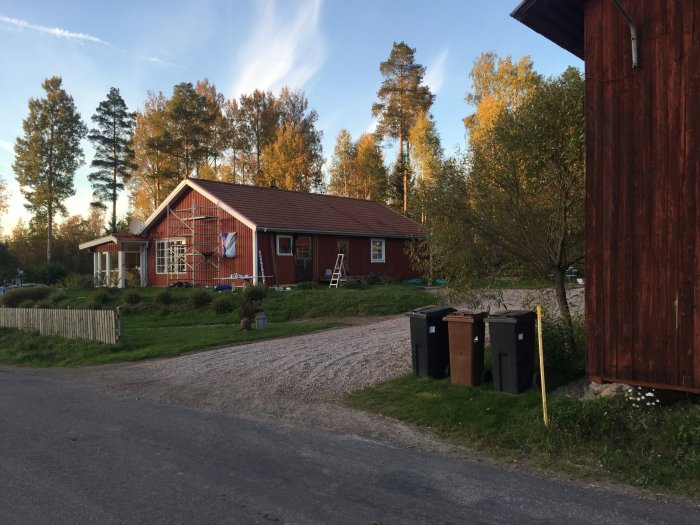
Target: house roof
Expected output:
[290,211]
[117,238]
[561,21]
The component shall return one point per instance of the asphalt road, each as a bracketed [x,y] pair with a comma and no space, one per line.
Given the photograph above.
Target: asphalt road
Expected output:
[71,455]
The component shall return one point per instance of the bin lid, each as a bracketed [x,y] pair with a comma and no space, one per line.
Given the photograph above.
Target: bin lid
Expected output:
[509,316]
[431,312]
[463,316]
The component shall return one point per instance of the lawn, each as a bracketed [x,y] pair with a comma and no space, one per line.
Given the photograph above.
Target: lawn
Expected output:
[657,448]
[168,322]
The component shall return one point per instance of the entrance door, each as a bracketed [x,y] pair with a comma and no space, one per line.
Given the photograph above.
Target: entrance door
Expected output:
[344,248]
[303,257]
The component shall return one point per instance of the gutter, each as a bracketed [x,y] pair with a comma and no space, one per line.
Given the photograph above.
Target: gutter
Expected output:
[633,33]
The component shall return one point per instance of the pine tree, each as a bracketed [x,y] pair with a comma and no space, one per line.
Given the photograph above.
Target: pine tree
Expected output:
[114,153]
[401,97]
[48,154]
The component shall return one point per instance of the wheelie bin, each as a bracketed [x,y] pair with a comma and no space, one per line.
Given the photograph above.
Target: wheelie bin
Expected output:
[429,341]
[512,334]
[466,335]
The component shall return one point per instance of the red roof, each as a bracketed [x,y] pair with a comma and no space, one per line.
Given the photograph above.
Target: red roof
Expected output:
[282,210]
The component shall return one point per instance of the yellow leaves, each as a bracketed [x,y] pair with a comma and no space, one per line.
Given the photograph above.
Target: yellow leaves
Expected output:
[286,162]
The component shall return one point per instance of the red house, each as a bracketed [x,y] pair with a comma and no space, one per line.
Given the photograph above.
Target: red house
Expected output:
[642,182]
[207,233]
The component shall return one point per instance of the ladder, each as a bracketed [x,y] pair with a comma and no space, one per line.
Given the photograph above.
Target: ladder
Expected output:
[262,270]
[338,276]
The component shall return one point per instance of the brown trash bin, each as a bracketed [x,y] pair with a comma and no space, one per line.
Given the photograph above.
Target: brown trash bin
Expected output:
[466,333]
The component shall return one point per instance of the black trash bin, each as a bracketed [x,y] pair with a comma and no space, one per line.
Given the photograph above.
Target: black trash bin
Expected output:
[512,335]
[430,347]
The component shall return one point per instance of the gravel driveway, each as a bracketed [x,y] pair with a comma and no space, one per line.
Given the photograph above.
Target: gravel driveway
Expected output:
[294,381]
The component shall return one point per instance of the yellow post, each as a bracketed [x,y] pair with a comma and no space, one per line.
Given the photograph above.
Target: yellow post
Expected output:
[544,390]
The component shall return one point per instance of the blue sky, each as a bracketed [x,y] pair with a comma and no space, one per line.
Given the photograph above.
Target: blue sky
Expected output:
[331,49]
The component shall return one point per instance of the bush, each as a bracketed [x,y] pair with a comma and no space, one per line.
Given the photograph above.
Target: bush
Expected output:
[14,297]
[200,299]
[254,293]
[163,311]
[354,284]
[561,364]
[307,285]
[58,296]
[79,281]
[224,304]
[100,298]
[164,297]
[27,303]
[132,297]
[49,273]
[44,303]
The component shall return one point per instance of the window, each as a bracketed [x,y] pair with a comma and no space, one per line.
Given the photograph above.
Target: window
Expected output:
[303,248]
[377,250]
[170,256]
[284,245]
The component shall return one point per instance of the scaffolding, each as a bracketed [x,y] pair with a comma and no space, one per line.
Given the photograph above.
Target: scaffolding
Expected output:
[196,257]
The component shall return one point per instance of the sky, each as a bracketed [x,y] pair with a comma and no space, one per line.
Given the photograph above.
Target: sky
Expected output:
[330,49]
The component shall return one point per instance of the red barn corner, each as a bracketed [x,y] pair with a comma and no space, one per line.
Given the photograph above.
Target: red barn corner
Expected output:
[642,186]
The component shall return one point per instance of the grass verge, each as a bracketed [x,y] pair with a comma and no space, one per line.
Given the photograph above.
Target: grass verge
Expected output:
[655,448]
[20,349]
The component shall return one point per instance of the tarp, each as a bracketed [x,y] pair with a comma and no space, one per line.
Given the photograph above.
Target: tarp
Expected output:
[228,245]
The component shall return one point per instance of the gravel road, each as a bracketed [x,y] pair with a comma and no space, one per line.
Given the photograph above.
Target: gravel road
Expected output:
[293,381]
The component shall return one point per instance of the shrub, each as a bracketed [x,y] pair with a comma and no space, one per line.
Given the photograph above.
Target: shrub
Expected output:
[58,296]
[354,284]
[49,273]
[44,303]
[27,303]
[248,310]
[224,304]
[79,281]
[164,297]
[14,297]
[254,293]
[200,299]
[132,297]
[100,298]
[163,311]
[307,285]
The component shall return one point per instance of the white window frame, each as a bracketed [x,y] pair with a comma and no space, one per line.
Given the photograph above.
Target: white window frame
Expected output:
[371,250]
[165,263]
[291,245]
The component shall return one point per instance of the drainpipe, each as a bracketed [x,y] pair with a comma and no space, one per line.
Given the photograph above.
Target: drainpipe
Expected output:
[633,32]
[255,255]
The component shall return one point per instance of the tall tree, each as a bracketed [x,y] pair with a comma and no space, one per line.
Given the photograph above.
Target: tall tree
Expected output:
[401,97]
[114,153]
[188,120]
[157,172]
[3,196]
[259,122]
[238,143]
[216,132]
[497,84]
[288,163]
[426,159]
[49,153]
[343,170]
[371,170]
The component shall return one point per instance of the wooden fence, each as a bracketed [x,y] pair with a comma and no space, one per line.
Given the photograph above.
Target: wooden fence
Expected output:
[95,325]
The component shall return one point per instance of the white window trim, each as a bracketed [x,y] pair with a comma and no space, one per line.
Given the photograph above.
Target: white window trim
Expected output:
[291,245]
[371,255]
[167,262]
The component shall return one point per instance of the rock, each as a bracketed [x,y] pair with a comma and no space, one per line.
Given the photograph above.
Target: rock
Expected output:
[605,390]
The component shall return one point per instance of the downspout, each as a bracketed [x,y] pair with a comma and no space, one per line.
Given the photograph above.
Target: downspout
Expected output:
[255,256]
[633,32]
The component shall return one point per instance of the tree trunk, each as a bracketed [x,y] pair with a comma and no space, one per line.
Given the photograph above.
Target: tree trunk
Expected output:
[563,302]
[403,169]
[49,234]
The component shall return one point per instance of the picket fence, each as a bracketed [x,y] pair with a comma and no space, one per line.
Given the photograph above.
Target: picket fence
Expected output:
[95,325]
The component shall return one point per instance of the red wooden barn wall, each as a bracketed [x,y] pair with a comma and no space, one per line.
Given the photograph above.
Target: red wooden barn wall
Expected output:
[325,250]
[243,262]
[642,186]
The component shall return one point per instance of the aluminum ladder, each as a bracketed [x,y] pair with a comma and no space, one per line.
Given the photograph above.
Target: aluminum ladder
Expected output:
[338,276]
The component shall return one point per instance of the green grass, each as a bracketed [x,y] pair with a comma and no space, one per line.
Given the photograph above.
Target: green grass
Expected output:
[20,349]
[655,448]
[168,322]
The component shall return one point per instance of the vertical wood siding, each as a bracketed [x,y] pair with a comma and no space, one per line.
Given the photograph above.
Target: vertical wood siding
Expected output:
[242,264]
[104,326]
[642,185]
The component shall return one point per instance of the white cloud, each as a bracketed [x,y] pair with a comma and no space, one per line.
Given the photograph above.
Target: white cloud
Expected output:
[54,31]
[282,50]
[435,72]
